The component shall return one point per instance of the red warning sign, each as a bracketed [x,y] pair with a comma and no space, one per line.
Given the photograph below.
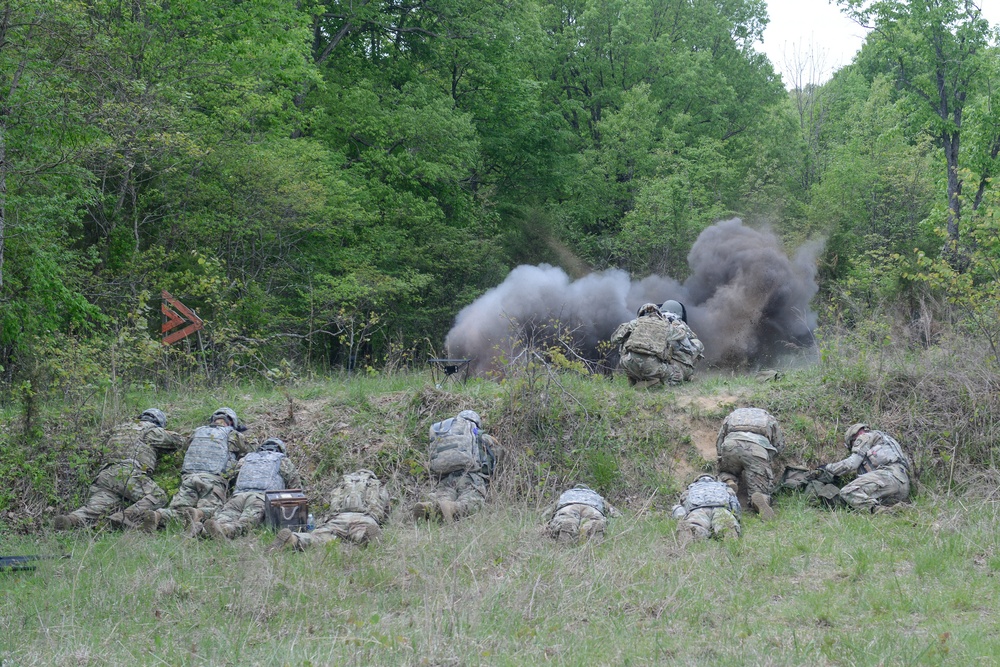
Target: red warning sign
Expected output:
[175,319]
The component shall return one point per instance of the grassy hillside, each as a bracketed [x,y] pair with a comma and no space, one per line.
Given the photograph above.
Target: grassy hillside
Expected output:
[812,587]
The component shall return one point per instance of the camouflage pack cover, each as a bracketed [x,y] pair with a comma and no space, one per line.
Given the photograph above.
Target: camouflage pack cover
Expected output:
[127,442]
[208,451]
[707,493]
[361,491]
[651,335]
[260,471]
[753,439]
[455,446]
[581,495]
[754,420]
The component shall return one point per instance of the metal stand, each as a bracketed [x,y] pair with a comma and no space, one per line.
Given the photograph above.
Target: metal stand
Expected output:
[443,370]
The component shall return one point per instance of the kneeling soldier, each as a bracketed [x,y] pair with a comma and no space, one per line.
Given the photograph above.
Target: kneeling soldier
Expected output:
[883,470]
[748,443]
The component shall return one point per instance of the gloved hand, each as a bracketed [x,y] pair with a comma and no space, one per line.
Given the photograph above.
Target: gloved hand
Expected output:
[819,472]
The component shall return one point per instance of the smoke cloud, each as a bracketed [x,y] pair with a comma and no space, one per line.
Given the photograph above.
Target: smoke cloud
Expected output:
[746,300]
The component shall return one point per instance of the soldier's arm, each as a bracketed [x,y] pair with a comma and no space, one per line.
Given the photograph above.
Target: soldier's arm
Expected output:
[290,474]
[842,467]
[612,511]
[238,444]
[162,439]
[622,332]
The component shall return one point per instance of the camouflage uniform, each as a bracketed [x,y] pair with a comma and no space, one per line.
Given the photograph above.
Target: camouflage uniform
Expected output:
[579,514]
[710,510]
[749,441]
[883,472]
[125,483]
[245,510]
[202,493]
[657,348]
[356,526]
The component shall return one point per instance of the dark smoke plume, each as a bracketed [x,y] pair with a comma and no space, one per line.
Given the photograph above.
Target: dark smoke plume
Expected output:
[747,301]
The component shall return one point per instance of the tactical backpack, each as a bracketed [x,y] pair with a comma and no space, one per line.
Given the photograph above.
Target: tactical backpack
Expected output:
[209,451]
[823,489]
[651,335]
[260,471]
[362,492]
[456,446]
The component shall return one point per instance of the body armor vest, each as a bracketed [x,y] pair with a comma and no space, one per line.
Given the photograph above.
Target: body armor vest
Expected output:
[209,450]
[578,496]
[883,451]
[260,471]
[753,420]
[707,494]
[650,336]
[128,443]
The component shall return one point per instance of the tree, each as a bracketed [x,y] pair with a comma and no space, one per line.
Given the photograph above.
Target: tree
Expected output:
[937,52]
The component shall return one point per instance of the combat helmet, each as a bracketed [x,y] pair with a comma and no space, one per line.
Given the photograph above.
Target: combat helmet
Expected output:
[155,416]
[472,416]
[675,307]
[274,445]
[229,414]
[852,433]
[704,477]
[648,309]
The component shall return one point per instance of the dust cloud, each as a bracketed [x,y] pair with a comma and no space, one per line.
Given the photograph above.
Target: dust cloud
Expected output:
[745,298]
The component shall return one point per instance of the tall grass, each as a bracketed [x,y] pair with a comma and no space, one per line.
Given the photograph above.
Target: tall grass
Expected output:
[814,587]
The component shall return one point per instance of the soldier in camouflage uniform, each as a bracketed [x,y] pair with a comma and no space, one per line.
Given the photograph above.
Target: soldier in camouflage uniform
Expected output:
[708,508]
[208,464]
[359,505]
[749,441]
[124,484]
[461,493]
[656,348]
[883,470]
[686,348]
[578,515]
[267,469]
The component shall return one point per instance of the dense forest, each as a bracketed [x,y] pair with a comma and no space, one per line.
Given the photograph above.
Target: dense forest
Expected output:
[329,183]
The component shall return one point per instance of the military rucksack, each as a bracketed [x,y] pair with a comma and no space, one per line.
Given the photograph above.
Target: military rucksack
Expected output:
[362,492]
[651,335]
[456,446]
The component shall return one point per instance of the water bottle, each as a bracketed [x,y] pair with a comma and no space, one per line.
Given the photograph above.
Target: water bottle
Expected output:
[310,522]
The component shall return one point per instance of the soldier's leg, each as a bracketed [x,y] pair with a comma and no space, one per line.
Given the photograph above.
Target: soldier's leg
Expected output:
[759,476]
[212,496]
[145,495]
[875,488]
[100,503]
[592,523]
[470,491]
[223,524]
[696,525]
[185,498]
[565,524]
[353,526]
[725,524]
[252,514]
[106,495]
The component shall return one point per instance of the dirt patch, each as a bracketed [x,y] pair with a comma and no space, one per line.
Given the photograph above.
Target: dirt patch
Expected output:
[707,403]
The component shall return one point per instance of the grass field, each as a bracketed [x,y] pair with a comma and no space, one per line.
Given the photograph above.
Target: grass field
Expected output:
[813,587]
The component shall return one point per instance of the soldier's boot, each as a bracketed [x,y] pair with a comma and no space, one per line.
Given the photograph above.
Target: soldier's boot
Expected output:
[684,538]
[643,384]
[68,522]
[220,531]
[372,534]
[286,539]
[151,521]
[194,515]
[763,505]
[448,510]
[120,521]
[889,509]
[423,511]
